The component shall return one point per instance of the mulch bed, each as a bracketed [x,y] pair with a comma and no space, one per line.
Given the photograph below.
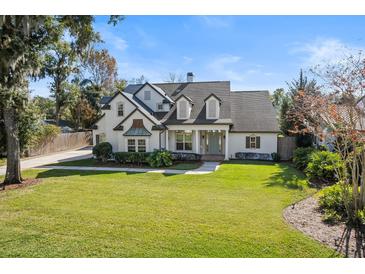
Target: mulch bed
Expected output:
[307,217]
[25,183]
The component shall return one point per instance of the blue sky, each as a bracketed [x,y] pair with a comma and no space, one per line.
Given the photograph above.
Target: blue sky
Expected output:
[253,52]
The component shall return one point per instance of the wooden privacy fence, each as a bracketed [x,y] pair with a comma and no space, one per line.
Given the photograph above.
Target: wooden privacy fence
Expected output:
[286,147]
[63,141]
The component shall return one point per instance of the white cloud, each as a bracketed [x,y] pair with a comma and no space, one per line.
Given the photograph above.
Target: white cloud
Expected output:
[227,67]
[120,43]
[187,60]
[216,21]
[324,50]
[146,40]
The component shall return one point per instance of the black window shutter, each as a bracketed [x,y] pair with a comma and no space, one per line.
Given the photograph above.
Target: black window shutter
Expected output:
[247,141]
[258,142]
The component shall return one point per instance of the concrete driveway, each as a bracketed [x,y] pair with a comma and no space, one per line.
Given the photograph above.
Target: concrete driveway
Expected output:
[64,156]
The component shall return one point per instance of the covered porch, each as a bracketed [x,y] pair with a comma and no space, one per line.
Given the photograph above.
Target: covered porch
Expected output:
[206,140]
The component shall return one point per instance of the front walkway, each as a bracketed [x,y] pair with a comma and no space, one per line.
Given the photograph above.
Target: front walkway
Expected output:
[207,167]
[64,156]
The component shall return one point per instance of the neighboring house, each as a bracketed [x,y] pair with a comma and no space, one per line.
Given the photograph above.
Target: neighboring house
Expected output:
[199,117]
[65,126]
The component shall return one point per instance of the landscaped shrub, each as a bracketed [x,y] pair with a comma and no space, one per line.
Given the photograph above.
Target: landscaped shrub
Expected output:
[185,156]
[137,158]
[103,151]
[159,158]
[302,157]
[121,157]
[323,165]
[332,202]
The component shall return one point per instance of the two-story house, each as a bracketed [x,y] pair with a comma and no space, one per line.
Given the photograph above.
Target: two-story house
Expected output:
[201,117]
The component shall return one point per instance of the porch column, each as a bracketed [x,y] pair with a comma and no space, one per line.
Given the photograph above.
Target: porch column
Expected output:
[226,156]
[197,141]
[167,140]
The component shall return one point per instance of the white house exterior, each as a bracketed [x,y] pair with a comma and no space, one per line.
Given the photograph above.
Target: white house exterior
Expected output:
[197,117]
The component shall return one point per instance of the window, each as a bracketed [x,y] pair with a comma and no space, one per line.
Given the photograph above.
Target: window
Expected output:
[141,145]
[120,109]
[184,140]
[131,145]
[99,138]
[212,108]
[147,95]
[253,142]
[159,106]
[183,109]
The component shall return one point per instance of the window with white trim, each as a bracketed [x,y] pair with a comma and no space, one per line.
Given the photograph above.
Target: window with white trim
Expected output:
[183,109]
[212,108]
[159,106]
[137,145]
[120,109]
[184,140]
[253,142]
[141,145]
[131,145]
[147,95]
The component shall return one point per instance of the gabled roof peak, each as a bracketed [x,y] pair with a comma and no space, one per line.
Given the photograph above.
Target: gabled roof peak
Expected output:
[213,95]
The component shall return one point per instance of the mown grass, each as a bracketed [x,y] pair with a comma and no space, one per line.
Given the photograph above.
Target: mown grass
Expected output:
[2,161]
[234,212]
[186,165]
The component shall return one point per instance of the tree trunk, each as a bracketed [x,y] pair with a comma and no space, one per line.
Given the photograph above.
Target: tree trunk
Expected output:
[57,112]
[13,175]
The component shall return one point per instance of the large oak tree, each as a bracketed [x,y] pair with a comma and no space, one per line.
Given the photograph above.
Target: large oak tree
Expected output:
[24,41]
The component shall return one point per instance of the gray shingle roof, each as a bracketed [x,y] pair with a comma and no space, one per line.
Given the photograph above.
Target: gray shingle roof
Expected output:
[253,111]
[247,111]
[105,99]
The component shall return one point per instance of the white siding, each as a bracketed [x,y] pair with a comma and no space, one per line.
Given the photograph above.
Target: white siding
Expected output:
[237,143]
[152,142]
[111,120]
[155,98]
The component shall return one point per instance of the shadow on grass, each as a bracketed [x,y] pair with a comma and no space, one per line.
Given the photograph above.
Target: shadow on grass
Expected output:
[54,173]
[249,162]
[287,177]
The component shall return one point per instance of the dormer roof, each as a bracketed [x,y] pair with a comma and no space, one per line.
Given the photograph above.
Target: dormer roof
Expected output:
[213,95]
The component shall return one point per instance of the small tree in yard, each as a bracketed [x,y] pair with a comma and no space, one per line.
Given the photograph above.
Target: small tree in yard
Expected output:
[339,113]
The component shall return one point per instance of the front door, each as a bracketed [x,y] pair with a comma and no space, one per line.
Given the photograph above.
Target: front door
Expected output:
[213,143]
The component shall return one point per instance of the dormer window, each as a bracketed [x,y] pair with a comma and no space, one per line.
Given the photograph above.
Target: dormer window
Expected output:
[212,104]
[147,95]
[183,108]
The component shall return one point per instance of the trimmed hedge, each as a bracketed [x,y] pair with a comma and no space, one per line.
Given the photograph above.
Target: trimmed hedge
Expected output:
[185,156]
[137,158]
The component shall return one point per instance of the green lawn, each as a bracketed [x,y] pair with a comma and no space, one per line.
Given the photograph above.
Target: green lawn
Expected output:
[186,165]
[234,212]
[2,161]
